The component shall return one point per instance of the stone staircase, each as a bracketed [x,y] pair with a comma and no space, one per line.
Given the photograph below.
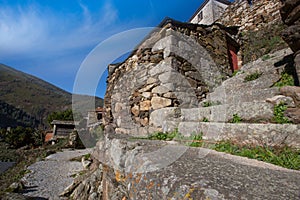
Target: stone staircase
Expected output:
[241,99]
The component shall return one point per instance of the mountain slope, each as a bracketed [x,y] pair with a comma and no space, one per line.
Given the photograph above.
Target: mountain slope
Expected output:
[28,99]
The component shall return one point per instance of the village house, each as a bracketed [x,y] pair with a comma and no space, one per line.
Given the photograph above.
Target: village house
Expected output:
[95,117]
[209,12]
[61,129]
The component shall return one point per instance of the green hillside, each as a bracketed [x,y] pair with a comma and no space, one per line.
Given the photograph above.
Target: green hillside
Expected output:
[27,100]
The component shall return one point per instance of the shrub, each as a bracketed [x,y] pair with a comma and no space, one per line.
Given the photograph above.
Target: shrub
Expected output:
[21,136]
[60,115]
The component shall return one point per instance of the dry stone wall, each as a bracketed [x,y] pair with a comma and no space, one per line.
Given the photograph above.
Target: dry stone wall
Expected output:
[251,16]
[176,66]
[260,27]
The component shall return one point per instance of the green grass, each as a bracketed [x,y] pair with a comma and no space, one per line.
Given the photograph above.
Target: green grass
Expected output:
[195,140]
[236,119]
[266,57]
[210,103]
[253,76]
[162,136]
[235,72]
[279,114]
[205,119]
[285,80]
[282,156]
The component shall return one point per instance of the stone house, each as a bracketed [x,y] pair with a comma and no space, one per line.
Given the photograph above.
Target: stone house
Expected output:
[175,66]
[95,117]
[209,11]
[179,64]
[62,129]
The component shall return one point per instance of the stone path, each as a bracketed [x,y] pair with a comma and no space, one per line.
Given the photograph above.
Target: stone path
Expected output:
[50,177]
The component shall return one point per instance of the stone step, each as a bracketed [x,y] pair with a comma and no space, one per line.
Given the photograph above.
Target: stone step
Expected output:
[236,89]
[248,112]
[271,72]
[257,134]
[223,96]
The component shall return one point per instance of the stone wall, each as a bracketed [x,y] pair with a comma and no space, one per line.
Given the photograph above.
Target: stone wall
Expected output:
[176,66]
[259,24]
[251,17]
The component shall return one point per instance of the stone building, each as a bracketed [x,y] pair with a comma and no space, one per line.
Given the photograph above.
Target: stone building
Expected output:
[260,27]
[62,129]
[95,117]
[176,66]
[209,11]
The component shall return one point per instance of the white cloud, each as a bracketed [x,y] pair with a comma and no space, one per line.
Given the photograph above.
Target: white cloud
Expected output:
[30,31]
[110,14]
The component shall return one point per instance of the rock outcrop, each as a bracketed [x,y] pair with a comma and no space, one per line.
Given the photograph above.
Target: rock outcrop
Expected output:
[290,13]
[292,112]
[141,169]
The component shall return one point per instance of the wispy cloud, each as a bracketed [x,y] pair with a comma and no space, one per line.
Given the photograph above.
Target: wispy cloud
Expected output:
[27,30]
[51,44]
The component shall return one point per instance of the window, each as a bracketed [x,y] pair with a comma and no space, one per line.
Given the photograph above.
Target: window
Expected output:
[99,116]
[200,16]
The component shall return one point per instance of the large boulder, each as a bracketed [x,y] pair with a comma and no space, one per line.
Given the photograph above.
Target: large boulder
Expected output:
[292,113]
[293,92]
[290,13]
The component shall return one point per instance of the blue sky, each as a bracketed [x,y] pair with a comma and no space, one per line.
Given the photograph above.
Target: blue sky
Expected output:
[51,38]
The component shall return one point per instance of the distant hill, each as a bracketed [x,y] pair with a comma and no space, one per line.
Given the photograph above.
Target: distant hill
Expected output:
[27,100]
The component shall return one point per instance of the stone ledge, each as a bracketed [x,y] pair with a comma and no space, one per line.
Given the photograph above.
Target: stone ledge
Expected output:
[143,170]
[257,134]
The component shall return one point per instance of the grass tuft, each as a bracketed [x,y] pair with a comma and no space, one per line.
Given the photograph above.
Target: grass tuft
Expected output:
[253,76]
[283,156]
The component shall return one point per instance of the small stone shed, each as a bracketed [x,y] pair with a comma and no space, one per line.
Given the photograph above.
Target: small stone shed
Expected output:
[175,66]
[95,117]
[62,129]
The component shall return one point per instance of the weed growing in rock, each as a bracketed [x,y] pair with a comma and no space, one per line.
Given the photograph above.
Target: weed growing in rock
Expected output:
[210,103]
[235,72]
[283,156]
[164,136]
[285,80]
[197,140]
[235,119]
[279,114]
[266,57]
[205,119]
[253,76]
